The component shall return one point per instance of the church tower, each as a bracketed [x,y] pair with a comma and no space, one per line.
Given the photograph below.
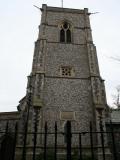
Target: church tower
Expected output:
[64,86]
[65,80]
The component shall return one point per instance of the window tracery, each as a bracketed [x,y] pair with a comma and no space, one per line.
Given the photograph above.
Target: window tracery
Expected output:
[65,32]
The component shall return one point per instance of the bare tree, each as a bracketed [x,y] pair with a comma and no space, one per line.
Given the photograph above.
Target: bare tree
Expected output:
[116,58]
[116,97]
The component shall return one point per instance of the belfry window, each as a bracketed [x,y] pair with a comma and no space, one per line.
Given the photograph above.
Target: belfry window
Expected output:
[65,32]
[62,35]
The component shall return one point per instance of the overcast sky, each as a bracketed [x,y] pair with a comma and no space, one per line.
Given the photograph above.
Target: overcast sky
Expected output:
[19,22]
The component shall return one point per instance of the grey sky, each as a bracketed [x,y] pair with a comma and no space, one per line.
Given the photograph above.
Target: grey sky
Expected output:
[19,22]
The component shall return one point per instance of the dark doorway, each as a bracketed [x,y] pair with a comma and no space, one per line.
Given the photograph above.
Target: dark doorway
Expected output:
[7,148]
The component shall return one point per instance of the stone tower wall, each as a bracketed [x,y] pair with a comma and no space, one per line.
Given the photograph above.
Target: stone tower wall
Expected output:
[53,97]
[57,95]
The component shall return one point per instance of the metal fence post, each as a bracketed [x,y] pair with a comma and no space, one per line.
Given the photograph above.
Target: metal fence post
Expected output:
[6,130]
[68,135]
[35,137]
[15,139]
[55,152]
[45,142]
[102,139]
[113,142]
[80,146]
[91,141]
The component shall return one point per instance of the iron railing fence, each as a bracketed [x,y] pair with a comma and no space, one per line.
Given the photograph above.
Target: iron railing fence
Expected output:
[68,151]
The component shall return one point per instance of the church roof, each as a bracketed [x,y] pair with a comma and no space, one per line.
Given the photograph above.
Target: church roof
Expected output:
[9,115]
[115,115]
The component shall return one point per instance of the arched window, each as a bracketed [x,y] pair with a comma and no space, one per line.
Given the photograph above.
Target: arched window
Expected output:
[68,32]
[62,35]
[65,32]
